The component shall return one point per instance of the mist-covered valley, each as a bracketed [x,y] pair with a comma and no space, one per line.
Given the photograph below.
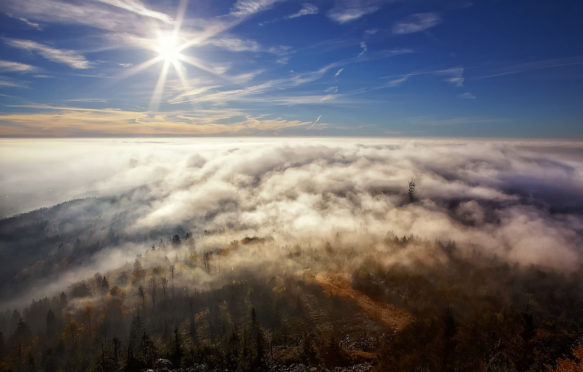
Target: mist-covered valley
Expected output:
[255,254]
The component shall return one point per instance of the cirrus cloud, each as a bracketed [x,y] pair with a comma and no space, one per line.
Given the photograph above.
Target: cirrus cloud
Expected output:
[416,23]
[70,58]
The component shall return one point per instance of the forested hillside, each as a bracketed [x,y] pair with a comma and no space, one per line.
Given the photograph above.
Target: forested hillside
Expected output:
[430,256]
[177,302]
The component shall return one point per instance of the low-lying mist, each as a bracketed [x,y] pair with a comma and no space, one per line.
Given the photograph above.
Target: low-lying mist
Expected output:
[520,202]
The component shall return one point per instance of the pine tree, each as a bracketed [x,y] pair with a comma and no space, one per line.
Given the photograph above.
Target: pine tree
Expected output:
[51,323]
[257,342]
[136,331]
[177,352]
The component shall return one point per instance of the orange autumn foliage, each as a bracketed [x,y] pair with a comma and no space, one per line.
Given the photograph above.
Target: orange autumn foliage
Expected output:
[570,365]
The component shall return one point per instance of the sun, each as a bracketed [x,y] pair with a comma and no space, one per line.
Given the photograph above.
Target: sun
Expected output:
[168,49]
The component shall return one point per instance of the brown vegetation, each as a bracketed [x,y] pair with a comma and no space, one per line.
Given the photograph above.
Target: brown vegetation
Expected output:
[390,315]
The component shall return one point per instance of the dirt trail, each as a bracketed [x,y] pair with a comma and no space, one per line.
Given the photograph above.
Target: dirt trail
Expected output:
[383,312]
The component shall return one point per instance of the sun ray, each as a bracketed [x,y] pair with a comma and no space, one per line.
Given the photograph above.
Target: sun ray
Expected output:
[142,66]
[169,47]
[193,61]
[180,14]
[181,75]
[157,94]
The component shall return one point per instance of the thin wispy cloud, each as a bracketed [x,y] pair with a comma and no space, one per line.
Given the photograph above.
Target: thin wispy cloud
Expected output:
[333,89]
[70,58]
[16,67]
[315,122]
[306,99]
[87,100]
[235,44]
[11,84]
[454,75]
[535,65]
[282,60]
[398,81]
[467,95]
[222,96]
[245,77]
[363,48]
[76,121]
[307,9]
[34,25]
[465,120]
[416,23]
[244,8]
[137,7]
[94,14]
[350,10]
[270,92]
[226,63]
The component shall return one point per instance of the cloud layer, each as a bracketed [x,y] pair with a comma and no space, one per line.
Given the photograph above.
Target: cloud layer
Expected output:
[520,202]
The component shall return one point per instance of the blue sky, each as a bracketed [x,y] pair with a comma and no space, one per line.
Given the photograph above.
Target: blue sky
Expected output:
[293,68]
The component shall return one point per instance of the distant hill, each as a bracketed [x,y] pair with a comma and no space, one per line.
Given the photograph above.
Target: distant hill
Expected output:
[39,246]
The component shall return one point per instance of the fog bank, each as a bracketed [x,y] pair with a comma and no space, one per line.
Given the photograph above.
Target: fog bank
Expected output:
[519,201]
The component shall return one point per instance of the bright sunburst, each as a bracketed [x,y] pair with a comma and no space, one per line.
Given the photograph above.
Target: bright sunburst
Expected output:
[168,49]
[168,46]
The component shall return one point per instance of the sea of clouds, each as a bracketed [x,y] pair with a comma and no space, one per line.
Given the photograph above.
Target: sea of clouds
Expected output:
[521,201]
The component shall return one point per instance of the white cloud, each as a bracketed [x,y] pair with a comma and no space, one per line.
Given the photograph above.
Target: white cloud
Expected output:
[87,100]
[34,25]
[477,193]
[398,81]
[517,201]
[350,10]
[245,77]
[467,95]
[137,7]
[244,8]
[235,44]
[533,66]
[315,122]
[282,60]
[306,99]
[11,84]
[307,9]
[263,91]
[427,121]
[454,75]
[339,72]
[70,58]
[416,23]
[16,67]
[94,14]
[363,48]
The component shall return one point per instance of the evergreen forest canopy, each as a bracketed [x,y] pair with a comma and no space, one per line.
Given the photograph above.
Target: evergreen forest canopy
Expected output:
[290,255]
